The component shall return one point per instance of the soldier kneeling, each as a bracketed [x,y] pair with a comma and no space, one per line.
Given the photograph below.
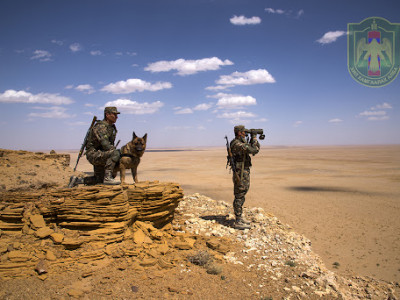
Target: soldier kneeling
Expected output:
[101,152]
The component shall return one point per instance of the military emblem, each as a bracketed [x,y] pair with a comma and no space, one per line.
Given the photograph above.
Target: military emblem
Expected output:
[373,50]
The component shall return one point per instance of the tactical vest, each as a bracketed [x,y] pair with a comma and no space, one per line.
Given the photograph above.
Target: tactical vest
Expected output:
[101,130]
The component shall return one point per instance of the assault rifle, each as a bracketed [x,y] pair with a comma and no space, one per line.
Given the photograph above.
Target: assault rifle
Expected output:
[231,161]
[85,141]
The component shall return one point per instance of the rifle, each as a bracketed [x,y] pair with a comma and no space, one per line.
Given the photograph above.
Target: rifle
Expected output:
[85,141]
[231,162]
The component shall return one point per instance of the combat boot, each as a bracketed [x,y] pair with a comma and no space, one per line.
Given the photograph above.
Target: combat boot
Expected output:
[245,221]
[74,181]
[109,179]
[240,224]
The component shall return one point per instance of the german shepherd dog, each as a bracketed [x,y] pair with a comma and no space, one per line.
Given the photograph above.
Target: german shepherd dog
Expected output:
[130,157]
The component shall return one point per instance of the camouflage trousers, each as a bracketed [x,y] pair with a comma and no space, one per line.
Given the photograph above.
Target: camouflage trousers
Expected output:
[240,190]
[101,161]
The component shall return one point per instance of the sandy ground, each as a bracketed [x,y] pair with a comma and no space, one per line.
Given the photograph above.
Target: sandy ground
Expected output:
[345,199]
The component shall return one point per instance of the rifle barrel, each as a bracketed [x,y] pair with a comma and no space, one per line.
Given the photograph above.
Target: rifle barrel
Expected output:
[85,142]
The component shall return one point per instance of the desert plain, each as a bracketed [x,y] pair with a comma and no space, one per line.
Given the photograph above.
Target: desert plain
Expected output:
[345,199]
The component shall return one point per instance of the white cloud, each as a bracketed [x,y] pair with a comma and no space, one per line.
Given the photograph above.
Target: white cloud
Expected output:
[54,112]
[85,88]
[229,101]
[96,52]
[135,85]
[219,87]
[184,111]
[242,20]
[331,37]
[236,117]
[188,67]
[68,87]
[41,55]
[12,96]
[380,118]
[238,114]
[384,105]
[288,13]
[89,105]
[297,123]
[203,106]
[336,120]
[247,78]
[59,43]
[275,11]
[75,47]
[135,108]
[377,113]
[300,13]
[373,113]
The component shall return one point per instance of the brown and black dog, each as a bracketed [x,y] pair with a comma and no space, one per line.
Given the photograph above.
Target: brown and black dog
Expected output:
[130,157]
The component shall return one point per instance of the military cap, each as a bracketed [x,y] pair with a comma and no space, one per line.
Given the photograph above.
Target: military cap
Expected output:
[238,128]
[111,110]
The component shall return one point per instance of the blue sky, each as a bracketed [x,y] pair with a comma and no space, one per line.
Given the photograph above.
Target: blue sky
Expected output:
[186,72]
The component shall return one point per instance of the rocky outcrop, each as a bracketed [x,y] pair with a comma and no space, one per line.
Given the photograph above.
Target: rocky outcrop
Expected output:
[85,218]
[154,202]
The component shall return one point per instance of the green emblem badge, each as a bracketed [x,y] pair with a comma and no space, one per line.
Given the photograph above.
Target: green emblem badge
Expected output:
[373,51]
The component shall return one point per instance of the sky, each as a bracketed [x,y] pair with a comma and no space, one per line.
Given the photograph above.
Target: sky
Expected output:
[187,71]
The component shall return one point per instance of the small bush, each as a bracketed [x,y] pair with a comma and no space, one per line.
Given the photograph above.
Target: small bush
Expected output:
[201,258]
[214,269]
[336,265]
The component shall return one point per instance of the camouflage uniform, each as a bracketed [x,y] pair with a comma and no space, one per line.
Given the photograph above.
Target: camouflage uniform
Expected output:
[100,151]
[241,151]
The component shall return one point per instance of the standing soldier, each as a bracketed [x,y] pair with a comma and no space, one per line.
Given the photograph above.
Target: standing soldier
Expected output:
[241,151]
[100,150]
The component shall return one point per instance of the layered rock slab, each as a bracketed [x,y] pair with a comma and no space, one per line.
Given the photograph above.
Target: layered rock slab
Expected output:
[85,219]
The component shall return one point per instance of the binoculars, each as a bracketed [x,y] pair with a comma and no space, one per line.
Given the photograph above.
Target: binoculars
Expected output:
[253,132]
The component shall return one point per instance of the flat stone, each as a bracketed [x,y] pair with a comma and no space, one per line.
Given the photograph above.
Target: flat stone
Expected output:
[43,232]
[37,221]
[70,243]
[18,256]
[75,293]
[57,238]
[139,237]
[50,255]
[186,244]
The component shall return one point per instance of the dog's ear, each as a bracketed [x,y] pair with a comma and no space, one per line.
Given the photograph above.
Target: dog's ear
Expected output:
[145,138]
[134,136]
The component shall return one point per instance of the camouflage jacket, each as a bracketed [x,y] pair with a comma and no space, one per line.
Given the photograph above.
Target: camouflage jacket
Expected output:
[241,151]
[102,137]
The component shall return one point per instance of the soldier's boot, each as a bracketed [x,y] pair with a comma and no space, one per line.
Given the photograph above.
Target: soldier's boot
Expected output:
[74,181]
[109,167]
[245,220]
[109,179]
[239,224]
